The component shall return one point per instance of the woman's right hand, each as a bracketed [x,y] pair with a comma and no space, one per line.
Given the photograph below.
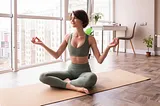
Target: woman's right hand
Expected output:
[36,40]
[114,43]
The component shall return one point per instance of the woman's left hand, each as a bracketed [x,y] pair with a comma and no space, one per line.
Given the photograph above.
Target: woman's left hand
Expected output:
[114,43]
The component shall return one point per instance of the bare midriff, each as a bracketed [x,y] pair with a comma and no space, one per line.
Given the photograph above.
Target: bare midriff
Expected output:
[79,60]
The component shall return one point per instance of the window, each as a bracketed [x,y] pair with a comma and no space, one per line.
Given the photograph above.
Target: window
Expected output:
[106,8]
[39,7]
[30,28]
[5,6]
[5,35]
[38,18]
[42,21]
[77,4]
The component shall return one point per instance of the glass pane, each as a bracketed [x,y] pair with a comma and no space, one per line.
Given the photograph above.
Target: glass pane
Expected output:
[39,7]
[46,30]
[77,4]
[69,29]
[98,37]
[5,43]
[5,6]
[104,7]
[107,38]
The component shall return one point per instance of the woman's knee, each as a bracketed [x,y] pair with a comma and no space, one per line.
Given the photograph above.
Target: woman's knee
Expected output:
[43,77]
[92,79]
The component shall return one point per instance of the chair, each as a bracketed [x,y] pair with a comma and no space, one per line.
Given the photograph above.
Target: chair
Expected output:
[128,38]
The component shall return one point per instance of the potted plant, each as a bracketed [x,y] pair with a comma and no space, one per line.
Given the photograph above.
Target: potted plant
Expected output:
[96,16]
[149,43]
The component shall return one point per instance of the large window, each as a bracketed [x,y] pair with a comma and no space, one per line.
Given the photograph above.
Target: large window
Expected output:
[46,25]
[39,7]
[106,8]
[77,4]
[5,35]
[46,30]
[5,6]
[44,19]
[69,31]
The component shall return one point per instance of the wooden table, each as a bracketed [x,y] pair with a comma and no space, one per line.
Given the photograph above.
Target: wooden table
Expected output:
[111,28]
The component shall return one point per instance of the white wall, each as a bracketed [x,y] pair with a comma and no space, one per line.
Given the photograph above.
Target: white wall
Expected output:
[157,22]
[129,11]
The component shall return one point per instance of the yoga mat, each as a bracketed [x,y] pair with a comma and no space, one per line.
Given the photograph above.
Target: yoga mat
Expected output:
[41,94]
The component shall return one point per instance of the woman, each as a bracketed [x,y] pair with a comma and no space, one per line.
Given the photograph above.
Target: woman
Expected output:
[78,77]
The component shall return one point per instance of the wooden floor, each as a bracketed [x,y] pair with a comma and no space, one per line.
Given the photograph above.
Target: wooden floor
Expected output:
[145,93]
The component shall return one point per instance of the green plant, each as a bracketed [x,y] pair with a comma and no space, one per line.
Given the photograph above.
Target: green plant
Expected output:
[89,31]
[96,17]
[148,41]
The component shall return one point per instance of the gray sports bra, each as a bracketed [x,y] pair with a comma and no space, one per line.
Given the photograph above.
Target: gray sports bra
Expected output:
[80,51]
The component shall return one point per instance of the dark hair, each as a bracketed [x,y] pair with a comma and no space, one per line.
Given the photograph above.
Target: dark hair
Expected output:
[81,15]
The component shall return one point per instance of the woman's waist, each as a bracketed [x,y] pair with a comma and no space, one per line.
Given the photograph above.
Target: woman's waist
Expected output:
[77,66]
[79,60]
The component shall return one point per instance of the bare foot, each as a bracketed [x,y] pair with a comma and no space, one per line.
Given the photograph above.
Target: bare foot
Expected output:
[67,80]
[82,89]
[79,89]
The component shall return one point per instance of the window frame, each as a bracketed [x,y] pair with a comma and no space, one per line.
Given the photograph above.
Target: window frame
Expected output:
[64,17]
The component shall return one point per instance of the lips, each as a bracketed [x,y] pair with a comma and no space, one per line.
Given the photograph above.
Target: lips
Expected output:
[72,23]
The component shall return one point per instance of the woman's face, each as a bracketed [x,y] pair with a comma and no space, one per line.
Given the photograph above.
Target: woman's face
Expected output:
[75,22]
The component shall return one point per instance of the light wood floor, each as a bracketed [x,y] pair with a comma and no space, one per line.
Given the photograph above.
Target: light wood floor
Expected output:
[145,93]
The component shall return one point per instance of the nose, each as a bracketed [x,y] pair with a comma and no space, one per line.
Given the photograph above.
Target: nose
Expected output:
[71,19]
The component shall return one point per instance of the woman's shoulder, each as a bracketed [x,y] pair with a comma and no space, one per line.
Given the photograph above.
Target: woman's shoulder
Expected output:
[67,36]
[91,39]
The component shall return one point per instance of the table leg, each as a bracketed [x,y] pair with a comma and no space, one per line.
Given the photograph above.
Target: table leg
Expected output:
[114,35]
[102,42]
[125,42]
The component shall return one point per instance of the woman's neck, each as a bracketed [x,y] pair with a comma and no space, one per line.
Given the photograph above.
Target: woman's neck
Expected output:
[79,32]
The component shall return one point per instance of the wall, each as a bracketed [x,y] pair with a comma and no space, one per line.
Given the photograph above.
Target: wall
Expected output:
[129,11]
[157,22]
[157,16]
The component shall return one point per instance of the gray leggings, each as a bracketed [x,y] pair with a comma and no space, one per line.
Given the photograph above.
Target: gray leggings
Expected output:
[79,74]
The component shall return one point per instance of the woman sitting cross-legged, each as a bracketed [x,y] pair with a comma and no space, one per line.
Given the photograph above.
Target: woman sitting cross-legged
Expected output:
[78,77]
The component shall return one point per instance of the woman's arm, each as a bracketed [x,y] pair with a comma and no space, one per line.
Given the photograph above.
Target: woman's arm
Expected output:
[55,54]
[100,58]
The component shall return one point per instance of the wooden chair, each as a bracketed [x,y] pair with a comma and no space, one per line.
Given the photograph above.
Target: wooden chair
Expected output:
[128,38]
